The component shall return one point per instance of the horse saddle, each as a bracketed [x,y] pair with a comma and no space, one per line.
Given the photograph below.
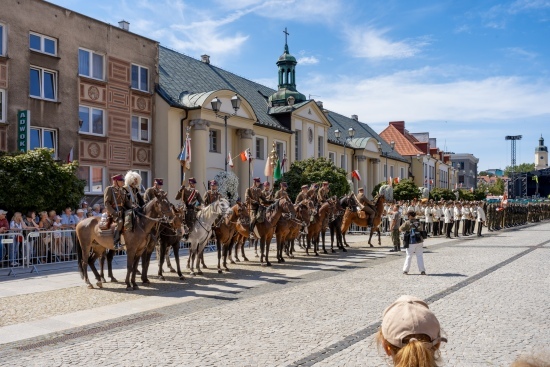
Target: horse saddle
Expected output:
[105,223]
[361,214]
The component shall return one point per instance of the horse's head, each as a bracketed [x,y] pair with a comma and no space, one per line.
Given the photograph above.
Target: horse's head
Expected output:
[220,207]
[287,207]
[159,207]
[303,210]
[178,216]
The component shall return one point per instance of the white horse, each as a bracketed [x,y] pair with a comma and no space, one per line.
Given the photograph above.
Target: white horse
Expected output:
[202,230]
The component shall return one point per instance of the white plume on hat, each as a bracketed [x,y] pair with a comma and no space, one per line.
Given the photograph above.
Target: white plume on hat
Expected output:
[132,179]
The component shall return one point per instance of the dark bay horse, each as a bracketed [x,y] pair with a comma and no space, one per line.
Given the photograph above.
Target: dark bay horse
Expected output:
[288,227]
[226,234]
[352,216]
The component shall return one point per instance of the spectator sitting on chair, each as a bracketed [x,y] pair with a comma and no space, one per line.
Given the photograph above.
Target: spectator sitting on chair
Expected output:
[410,333]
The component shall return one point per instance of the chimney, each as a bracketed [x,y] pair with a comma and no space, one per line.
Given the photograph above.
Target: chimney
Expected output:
[205,59]
[399,125]
[124,25]
[355,117]
[319,103]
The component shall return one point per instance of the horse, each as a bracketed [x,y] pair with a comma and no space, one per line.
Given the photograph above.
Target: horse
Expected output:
[288,228]
[267,228]
[226,234]
[334,225]
[314,229]
[243,233]
[89,238]
[202,230]
[168,235]
[353,216]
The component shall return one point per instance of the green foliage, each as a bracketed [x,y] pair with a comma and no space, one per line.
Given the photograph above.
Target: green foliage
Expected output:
[316,170]
[465,194]
[377,188]
[34,181]
[523,167]
[439,193]
[406,190]
[497,188]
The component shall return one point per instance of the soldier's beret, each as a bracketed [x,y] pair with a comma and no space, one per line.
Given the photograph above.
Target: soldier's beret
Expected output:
[213,183]
[266,183]
[118,178]
[192,180]
[361,189]
[284,184]
[159,181]
[257,179]
[304,186]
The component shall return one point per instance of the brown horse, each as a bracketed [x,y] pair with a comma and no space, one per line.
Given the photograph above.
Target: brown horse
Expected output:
[266,229]
[243,233]
[288,228]
[90,238]
[226,233]
[351,216]
[320,224]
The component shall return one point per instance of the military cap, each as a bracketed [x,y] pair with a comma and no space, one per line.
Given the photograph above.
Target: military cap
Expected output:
[304,186]
[159,181]
[213,183]
[266,183]
[284,184]
[192,180]
[118,178]
[257,179]
[360,189]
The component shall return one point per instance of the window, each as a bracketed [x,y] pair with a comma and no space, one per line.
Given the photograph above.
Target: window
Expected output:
[260,144]
[332,157]
[2,40]
[3,107]
[44,44]
[215,140]
[140,78]
[298,144]
[321,147]
[279,148]
[343,161]
[43,83]
[91,64]
[141,129]
[145,179]
[391,172]
[401,173]
[461,179]
[43,138]
[93,120]
[94,176]
[386,172]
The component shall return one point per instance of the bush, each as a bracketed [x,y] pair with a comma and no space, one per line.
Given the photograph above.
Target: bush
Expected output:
[439,193]
[465,194]
[406,190]
[35,181]
[316,170]
[377,188]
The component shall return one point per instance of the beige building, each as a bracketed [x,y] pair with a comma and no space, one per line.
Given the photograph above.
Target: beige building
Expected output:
[298,128]
[88,86]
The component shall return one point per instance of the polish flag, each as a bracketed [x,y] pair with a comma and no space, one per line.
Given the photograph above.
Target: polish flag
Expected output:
[229,160]
[396,180]
[244,156]
[355,174]
[70,156]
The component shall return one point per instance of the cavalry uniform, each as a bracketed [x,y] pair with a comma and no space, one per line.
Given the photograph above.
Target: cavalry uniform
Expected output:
[254,198]
[191,198]
[268,193]
[212,195]
[367,206]
[154,191]
[115,199]
[282,192]
[302,195]
[323,193]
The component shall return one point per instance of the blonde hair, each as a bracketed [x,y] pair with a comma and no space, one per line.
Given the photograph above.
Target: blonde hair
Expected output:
[416,353]
[16,215]
[531,361]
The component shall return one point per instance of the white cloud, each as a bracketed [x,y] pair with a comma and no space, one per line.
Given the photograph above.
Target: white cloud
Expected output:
[411,96]
[374,44]
[308,60]
[520,52]
[525,5]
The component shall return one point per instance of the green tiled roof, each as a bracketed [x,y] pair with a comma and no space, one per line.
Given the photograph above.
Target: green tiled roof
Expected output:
[362,131]
[180,74]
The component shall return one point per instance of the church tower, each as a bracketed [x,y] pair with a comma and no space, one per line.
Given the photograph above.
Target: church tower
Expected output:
[287,80]
[541,155]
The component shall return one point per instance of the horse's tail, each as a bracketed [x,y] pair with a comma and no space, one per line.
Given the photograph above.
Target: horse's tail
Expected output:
[79,257]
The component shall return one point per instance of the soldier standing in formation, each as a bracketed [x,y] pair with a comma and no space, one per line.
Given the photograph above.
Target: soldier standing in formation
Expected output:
[282,192]
[212,195]
[116,201]
[255,199]
[191,198]
[367,206]
[154,191]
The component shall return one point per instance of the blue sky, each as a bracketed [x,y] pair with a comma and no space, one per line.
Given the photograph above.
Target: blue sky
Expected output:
[469,72]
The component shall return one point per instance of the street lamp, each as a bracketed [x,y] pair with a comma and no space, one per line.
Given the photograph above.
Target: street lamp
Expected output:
[351,134]
[216,104]
[385,154]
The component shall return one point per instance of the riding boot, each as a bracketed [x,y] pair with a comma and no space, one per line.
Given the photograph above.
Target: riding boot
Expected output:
[116,239]
[370,221]
[252,224]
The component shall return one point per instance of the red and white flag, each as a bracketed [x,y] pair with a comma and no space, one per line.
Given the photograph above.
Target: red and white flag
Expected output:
[229,160]
[396,180]
[355,174]
[244,155]
[70,156]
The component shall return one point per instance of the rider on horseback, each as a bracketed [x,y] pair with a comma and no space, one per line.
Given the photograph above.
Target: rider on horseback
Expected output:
[366,205]
[282,193]
[192,199]
[255,199]
[213,194]
[302,195]
[268,193]
[116,201]
[154,191]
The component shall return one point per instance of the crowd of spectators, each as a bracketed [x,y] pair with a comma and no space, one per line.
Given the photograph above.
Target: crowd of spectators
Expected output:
[54,243]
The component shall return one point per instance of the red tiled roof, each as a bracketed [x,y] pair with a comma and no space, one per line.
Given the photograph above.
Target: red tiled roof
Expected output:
[402,145]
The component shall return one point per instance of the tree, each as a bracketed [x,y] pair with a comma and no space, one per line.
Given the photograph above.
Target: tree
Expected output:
[316,170]
[439,193]
[377,188]
[497,188]
[465,194]
[35,181]
[406,190]
[524,167]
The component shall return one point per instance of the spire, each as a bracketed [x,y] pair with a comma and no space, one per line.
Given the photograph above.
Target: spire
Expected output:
[541,141]
[286,41]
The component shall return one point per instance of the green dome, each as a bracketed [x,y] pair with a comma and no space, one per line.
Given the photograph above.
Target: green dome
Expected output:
[280,97]
[287,57]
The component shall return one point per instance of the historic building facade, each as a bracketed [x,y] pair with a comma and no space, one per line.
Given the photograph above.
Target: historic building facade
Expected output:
[88,87]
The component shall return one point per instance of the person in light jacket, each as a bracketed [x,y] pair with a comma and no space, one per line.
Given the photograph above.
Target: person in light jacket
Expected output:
[449,219]
[415,243]
[480,219]
[457,216]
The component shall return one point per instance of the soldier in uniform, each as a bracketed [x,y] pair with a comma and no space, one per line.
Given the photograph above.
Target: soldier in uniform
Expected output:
[282,192]
[132,182]
[302,195]
[116,201]
[154,191]
[212,195]
[367,206]
[323,193]
[191,198]
[268,193]
[255,199]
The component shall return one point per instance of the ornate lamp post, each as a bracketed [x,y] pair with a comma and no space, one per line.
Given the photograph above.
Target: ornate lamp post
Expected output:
[216,104]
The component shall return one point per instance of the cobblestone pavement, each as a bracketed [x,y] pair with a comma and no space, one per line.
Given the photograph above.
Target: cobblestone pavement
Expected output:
[490,294]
